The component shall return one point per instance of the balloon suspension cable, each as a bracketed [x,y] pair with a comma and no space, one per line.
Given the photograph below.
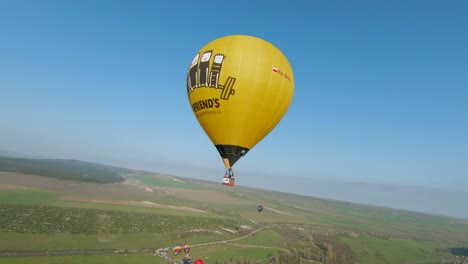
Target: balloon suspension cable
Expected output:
[229,173]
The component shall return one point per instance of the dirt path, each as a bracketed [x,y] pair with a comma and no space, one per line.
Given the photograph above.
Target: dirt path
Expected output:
[168,258]
[130,203]
[161,252]
[157,252]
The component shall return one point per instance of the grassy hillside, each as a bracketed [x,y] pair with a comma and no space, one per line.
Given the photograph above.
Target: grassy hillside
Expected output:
[154,212]
[63,169]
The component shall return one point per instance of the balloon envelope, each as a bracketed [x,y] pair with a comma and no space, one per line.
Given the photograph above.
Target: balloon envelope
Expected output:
[259,208]
[176,249]
[186,248]
[239,88]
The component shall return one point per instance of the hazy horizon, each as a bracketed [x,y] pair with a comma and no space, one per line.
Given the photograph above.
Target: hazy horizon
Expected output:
[451,202]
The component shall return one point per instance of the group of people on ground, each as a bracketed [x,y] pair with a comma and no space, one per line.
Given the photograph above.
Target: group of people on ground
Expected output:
[188,260]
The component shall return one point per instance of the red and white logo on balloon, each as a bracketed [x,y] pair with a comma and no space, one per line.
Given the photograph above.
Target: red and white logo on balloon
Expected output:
[282,73]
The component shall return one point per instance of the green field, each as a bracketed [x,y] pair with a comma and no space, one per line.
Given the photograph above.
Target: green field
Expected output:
[28,197]
[63,169]
[378,250]
[161,182]
[140,258]
[218,222]
[66,241]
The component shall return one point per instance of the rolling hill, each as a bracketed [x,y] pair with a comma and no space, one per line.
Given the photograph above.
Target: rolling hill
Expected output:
[63,169]
[50,213]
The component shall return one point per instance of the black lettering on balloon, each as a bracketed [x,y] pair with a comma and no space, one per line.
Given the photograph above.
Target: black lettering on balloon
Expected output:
[205,104]
[201,75]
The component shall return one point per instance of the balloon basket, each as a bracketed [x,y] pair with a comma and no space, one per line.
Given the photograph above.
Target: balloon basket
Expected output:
[228,181]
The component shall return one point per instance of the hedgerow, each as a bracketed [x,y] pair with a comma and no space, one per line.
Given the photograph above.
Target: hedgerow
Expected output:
[35,219]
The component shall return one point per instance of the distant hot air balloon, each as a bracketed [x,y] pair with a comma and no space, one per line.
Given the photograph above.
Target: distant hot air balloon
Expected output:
[259,208]
[186,248]
[239,88]
[176,249]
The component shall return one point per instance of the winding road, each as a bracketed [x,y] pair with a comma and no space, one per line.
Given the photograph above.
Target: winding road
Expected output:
[161,252]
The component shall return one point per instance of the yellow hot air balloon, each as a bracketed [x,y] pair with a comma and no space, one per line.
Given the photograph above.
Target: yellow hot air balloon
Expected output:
[239,88]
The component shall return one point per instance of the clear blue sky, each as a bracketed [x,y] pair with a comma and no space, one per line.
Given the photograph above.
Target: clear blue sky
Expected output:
[381,90]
